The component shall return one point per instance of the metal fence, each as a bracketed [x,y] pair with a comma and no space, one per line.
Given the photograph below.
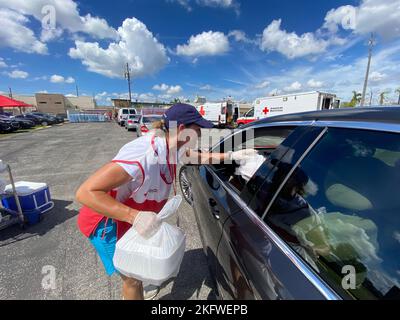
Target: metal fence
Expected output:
[87,117]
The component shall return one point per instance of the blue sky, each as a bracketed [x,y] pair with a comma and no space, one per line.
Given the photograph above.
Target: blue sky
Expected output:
[183,48]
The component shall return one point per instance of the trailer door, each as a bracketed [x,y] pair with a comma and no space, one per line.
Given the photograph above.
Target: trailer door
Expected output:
[327,103]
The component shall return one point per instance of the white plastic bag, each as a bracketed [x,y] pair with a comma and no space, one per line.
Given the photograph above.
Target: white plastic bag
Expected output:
[154,260]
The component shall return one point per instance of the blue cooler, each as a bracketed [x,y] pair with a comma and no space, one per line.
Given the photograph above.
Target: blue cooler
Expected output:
[34,197]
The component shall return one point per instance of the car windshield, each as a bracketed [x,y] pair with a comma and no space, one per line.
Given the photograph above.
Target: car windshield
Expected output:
[151,119]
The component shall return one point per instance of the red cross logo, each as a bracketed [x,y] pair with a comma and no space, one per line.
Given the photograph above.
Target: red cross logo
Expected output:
[202,112]
[266,110]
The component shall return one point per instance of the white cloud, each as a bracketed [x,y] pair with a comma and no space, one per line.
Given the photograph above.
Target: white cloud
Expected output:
[205,44]
[60,79]
[161,87]
[70,80]
[170,90]
[262,85]
[40,78]
[314,84]
[377,77]
[2,63]
[67,18]
[295,86]
[226,4]
[137,46]
[183,3]
[207,87]
[18,74]
[275,92]
[240,36]
[380,16]
[174,90]
[291,45]
[15,34]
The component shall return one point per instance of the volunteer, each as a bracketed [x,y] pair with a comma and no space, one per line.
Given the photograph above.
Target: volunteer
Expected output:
[134,187]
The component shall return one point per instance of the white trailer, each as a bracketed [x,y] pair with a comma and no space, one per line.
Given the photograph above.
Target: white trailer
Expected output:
[288,104]
[221,114]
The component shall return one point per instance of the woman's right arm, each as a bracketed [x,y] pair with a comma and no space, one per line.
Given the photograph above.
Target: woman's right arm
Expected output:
[94,193]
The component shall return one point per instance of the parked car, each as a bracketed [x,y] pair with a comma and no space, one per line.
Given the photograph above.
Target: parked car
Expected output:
[145,124]
[45,118]
[35,119]
[318,219]
[23,123]
[61,117]
[5,126]
[132,122]
[15,124]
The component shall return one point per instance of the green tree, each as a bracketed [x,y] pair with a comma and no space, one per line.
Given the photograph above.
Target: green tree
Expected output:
[382,97]
[354,101]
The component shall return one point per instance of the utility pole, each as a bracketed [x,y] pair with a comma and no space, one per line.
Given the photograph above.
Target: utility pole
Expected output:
[128,77]
[371,44]
[77,91]
[10,94]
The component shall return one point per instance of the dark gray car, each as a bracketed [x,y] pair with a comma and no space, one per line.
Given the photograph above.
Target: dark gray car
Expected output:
[319,219]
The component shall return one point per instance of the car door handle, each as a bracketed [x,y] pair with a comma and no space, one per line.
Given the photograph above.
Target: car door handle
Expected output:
[214,208]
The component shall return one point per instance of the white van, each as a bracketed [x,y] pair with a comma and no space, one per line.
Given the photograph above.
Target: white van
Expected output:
[123,115]
[287,104]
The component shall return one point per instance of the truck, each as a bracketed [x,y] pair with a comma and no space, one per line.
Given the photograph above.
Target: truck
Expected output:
[123,115]
[221,114]
[287,104]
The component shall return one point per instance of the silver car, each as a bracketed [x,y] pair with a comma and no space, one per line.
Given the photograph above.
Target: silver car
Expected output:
[145,124]
[132,122]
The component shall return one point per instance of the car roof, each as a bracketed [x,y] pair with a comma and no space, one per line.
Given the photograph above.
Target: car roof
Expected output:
[370,114]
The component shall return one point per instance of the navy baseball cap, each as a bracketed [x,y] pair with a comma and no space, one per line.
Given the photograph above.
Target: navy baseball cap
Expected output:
[186,114]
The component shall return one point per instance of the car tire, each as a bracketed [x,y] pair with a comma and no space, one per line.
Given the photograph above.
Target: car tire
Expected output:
[44,123]
[185,186]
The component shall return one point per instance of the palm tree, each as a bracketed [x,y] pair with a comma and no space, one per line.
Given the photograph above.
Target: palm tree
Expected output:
[382,97]
[356,99]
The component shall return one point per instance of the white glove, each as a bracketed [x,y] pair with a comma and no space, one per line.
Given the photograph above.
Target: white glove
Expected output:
[147,224]
[249,167]
[241,155]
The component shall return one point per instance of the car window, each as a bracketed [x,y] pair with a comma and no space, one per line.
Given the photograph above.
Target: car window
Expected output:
[261,188]
[339,211]
[250,113]
[125,111]
[131,111]
[151,119]
[264,140]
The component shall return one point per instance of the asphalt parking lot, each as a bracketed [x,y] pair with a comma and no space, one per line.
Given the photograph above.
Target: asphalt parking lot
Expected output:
[63,157]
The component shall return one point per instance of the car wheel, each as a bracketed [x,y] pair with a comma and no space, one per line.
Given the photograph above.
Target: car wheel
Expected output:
[44,123]
[184,183]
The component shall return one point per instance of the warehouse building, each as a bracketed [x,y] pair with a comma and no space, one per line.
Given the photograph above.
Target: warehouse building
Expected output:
[57,103]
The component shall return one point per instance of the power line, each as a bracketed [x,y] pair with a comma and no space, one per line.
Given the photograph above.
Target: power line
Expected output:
[371,44]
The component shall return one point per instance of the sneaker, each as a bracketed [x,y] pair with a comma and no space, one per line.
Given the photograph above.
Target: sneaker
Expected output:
[150,292]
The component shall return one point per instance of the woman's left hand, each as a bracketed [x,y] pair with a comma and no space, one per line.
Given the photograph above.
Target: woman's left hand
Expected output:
[147,224]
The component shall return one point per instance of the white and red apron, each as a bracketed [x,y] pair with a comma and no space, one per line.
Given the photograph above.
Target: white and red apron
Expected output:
[146,160]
